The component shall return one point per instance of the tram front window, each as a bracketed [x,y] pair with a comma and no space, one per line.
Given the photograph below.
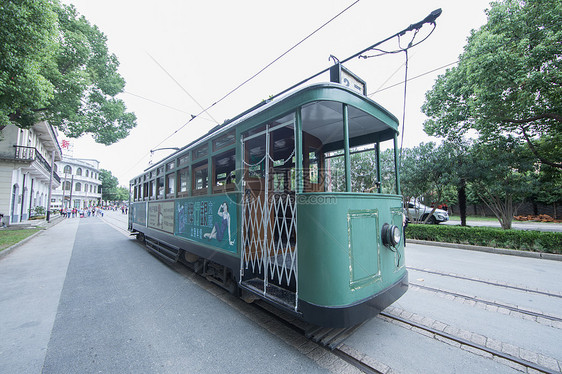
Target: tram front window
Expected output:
[324,149]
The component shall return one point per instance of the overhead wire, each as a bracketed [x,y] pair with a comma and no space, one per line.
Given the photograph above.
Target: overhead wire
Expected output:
[162,104]
[436,69]
[259,72]
[247,80]
[184,90]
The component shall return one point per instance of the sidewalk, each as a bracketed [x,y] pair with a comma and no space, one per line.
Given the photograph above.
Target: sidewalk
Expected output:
[35,224]
[31,281]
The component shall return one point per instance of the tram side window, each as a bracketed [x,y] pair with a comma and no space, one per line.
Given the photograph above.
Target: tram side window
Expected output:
[224,178]
[160,188]
[170,185]
[151,190]
[200,179]
[183,177]
[145,190]
[282,149]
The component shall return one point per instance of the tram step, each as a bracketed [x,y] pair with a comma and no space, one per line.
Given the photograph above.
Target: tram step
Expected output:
[165,251]
[330,337]
[274,293]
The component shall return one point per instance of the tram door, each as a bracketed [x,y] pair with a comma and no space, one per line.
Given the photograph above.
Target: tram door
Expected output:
[269,245]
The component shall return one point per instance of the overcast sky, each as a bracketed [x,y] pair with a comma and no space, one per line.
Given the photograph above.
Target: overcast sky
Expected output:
[178,55]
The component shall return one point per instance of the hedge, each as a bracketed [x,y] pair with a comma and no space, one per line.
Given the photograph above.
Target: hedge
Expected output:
[536,241]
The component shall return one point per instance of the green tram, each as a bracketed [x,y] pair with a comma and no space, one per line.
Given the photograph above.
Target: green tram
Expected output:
[265,205]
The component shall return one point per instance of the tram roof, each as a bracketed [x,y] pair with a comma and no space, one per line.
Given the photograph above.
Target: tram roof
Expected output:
[270,109]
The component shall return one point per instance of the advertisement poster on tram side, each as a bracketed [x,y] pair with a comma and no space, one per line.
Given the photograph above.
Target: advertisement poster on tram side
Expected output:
[139,213]
[209,220]
[161,216]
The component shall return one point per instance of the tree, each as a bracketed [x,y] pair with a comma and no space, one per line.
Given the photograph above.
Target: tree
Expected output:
[548,187]
[28,41]
[122,194]
[108,185]
[508,81]
[503,175]
[427,171]
[56,66]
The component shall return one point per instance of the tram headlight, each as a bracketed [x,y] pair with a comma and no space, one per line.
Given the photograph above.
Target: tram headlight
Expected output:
[391,235]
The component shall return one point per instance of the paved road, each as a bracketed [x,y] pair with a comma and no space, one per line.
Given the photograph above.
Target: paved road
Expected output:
[83,298]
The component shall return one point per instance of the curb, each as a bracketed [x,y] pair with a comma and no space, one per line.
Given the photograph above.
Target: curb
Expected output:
[42,228]
[502,251]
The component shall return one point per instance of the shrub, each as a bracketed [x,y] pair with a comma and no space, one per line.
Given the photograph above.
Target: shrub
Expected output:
[537,241]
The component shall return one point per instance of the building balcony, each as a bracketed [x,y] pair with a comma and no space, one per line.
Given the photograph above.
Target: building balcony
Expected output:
[35,164]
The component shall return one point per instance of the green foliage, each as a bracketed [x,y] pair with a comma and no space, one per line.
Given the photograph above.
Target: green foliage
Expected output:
[110,189]
[39,210]
[56,66]
[507,81]
[108,185]
[536,241]
[503,174]
[122,194]
[28,43]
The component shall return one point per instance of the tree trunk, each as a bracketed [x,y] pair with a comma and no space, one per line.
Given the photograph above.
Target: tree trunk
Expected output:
[461,194]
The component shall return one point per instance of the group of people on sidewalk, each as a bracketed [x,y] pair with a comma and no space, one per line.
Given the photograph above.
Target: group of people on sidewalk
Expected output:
[82,213]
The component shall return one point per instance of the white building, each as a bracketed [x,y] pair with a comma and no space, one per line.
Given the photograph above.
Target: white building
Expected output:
[80,185]
[26,159]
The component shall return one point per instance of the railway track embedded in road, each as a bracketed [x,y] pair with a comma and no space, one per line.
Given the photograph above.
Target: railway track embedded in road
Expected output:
[487,282]
[331,339]
[467,343]
[488,302]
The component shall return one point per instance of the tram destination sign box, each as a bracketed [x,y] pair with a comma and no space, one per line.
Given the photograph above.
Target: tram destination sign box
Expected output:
[341,74]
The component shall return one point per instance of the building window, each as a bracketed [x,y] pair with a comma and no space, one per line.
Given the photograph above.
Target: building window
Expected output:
[79,171]
[78,187]
[66,186]
[87,173]
[67,169]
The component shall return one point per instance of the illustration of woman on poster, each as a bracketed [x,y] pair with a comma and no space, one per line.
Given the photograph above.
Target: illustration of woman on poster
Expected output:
[221,227]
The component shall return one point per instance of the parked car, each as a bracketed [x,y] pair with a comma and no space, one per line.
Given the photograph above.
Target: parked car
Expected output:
[419,212]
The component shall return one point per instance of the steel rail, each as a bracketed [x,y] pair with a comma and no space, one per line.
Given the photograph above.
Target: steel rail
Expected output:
[486,282]
[339,334]
[468,343]
[493,303]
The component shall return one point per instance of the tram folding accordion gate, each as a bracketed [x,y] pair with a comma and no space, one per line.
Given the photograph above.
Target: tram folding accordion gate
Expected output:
[269,247]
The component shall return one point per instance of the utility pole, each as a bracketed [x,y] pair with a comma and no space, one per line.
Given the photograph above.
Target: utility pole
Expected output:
[50,186]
